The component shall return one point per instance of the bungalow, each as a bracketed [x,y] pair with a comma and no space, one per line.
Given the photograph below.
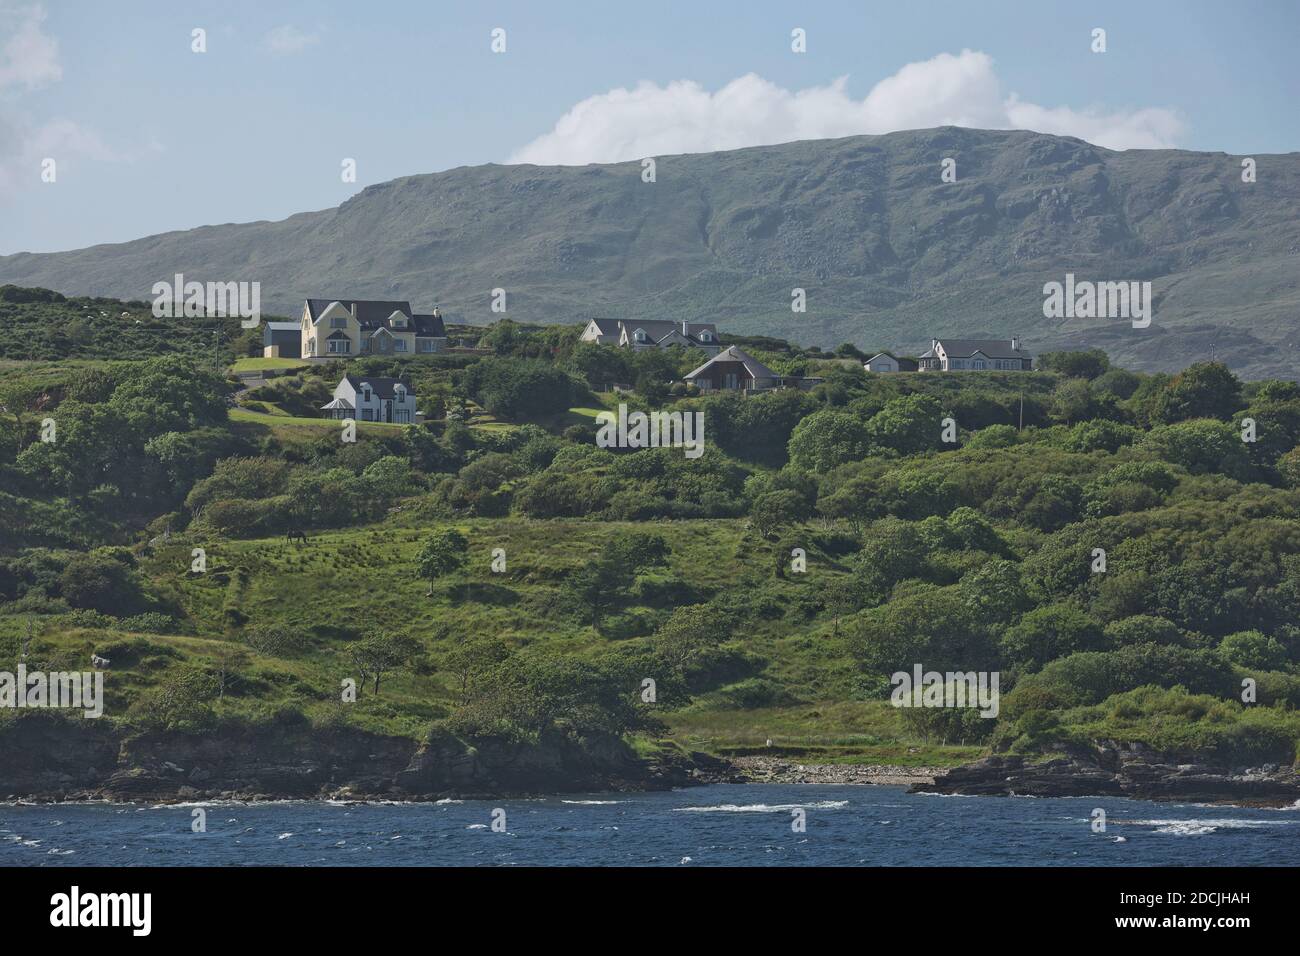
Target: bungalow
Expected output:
[955,355]
[372,399]
[888,362]
[652,334]
[734,369]
[338,328]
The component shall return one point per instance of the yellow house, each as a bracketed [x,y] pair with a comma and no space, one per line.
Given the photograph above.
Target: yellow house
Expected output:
[340,328]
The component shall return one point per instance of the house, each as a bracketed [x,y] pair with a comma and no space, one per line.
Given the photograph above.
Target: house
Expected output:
[888,362]
[281,340]
[337,328]
[652,334]
[372,399]
[956,355]
[734,369]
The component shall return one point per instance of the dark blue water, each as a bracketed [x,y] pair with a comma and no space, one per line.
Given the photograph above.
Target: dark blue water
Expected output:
[706,826]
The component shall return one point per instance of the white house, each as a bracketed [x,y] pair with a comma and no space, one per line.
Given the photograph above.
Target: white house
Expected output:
[653,334]
[341,328]
[957,355]
[372,399]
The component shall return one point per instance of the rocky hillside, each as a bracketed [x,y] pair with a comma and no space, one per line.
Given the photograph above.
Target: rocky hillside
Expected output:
[889,254]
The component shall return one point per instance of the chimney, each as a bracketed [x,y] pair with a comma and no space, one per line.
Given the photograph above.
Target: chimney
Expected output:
[1015,343]
[934,345]
[436,313]
[686,329]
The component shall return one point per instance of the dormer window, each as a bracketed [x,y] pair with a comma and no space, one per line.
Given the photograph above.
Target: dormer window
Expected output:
[640,335]
[706,336]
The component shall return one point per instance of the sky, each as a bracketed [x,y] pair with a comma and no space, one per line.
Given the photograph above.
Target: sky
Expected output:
[147,136]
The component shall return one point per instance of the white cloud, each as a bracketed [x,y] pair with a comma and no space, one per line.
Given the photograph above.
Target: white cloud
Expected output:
[946,90]
[285,40]
[29,57]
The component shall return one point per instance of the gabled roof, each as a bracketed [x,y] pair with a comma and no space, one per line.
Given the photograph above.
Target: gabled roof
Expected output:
[383,387]
[659,329]
[282,326]
[607,326]
[374,314]
[964,348]
[753,366]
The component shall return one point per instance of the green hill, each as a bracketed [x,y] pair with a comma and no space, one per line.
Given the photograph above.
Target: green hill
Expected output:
[888,254]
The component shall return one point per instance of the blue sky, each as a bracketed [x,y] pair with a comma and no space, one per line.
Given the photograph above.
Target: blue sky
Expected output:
[149,136]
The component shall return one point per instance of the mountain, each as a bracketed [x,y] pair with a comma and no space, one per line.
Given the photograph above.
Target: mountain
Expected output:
[888,254]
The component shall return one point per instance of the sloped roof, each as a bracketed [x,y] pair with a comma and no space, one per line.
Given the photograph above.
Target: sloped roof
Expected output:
[607,326]
[383,387]
[753,366]
[993,348]
[374,314]
[660,329]
[429,326]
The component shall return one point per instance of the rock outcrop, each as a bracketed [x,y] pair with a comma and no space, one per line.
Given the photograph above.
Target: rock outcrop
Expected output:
[1119,770]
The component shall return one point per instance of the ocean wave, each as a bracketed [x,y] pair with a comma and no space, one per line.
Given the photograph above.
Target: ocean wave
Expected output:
[1203,827]
[765,807]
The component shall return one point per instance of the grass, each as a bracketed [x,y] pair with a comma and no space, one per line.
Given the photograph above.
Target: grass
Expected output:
[261,364]
[277,416]
[343,584]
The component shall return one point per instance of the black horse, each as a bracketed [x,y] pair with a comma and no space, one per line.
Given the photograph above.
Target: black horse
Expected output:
[295,534]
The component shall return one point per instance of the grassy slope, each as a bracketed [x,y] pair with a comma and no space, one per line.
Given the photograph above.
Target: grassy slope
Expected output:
[343,583]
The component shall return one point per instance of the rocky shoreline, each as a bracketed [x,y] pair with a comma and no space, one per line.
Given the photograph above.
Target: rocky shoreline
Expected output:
[1120,770]
[777,770]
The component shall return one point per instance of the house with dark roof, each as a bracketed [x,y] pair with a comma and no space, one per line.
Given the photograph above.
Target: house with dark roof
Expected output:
[653,334]
[959,355]
[889,362]
[340,328]
[733,369]
[372,399]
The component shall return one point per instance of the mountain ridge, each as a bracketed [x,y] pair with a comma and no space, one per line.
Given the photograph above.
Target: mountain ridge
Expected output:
[888,254]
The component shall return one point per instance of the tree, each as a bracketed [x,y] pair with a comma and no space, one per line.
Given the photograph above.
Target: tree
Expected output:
[442,554]
[910,424]
[1047,633]
[1254,650]
[473,658]
[827,439]
[381,653]
[775,509]
[1203,390]
[1086,363]
[604,579]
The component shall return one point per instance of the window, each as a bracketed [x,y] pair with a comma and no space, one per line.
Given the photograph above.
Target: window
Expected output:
[399,345]
[424,345]
[367,415]
[639,335]
[339,323]
[340,345]
[730,380]
[978,364]
[706,336]
[402,416]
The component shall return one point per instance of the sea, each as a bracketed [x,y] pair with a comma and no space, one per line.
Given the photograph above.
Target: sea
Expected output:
[723,825]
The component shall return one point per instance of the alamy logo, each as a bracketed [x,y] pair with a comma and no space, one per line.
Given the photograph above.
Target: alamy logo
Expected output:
[61,689]
[656,430]
[103,909]
[1098,300]
[923,688]
[192,300]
